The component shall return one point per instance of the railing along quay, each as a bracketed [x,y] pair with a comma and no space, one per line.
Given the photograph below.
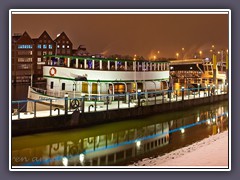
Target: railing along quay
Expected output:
[94,103]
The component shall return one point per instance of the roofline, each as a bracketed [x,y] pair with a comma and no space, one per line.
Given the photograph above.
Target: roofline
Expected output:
[103,59]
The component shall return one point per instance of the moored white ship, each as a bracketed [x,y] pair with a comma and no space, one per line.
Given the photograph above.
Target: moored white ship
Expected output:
[78,76]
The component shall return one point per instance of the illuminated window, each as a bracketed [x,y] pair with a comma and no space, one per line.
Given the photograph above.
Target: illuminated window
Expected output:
[50,46]
[39,46]
[44,46]
[39,59]
[63,46]
[24,46]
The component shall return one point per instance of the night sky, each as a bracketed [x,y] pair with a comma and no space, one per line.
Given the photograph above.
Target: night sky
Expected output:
[142,34]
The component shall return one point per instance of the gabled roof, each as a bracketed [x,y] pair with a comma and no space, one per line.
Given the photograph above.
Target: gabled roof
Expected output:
[45,34]
[61,37]
[15,38]
[25,39]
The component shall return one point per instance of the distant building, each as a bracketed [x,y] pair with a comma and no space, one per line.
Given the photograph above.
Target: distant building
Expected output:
[28,54]
[81,51]
[64,45]
[43,45]
[22,58]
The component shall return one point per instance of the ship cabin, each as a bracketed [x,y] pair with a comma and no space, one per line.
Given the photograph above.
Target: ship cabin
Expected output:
[98,76]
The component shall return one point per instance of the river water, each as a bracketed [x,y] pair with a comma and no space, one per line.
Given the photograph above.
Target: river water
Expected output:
[120,143]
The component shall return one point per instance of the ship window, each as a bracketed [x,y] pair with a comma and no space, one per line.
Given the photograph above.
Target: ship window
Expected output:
[63,86]
[51,85]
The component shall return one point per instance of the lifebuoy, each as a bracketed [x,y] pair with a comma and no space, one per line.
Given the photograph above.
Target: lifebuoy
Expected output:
[75,104]
[52,71]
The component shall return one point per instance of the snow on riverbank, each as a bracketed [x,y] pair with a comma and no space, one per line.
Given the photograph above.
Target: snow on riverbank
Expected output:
[211,151]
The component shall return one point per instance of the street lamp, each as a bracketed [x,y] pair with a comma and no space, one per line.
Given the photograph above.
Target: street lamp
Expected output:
[200,54]
[154,57]
[139,93]
[183,52]
[177,54]
[182,93]
[66,103]
[135,57]
[198,89]
[208,89]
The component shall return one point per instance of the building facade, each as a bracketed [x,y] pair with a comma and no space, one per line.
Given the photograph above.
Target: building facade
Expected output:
[28,55]
[22,58]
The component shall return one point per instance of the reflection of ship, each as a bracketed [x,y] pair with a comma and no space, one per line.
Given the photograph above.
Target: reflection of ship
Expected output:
[104,149]
[119,143]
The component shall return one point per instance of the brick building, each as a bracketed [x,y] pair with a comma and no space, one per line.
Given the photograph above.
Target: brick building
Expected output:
[28,54]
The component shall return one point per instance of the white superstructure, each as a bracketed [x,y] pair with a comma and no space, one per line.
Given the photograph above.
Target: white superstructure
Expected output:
[91,76]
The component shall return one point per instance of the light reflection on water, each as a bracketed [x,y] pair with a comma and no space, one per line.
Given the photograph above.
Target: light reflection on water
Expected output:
[121,142]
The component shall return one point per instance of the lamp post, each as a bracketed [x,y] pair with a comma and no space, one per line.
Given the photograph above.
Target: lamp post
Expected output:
[198,90]
[208,90]
[182,93]
[183,52]
[66,103]
[83,101]
[139,94]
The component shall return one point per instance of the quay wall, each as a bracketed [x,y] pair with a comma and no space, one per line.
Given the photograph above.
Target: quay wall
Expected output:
[75,120]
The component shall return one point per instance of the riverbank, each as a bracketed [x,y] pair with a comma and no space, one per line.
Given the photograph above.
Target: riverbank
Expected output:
[77,119]
[209,152]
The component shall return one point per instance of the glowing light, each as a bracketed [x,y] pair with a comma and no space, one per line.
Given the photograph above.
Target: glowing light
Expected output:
[182,130]
[138,143]
[81,158]
[198,118]
[65,161]
[58,35]
[214,120]
[208,121]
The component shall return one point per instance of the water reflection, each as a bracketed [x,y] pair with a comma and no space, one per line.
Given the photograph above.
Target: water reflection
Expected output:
[111,145]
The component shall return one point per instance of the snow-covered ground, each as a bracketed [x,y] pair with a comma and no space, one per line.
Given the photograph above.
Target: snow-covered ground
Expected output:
[211,151]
